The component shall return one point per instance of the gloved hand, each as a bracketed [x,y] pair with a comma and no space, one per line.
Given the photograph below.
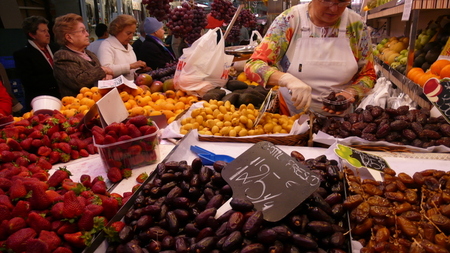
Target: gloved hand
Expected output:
[300,91]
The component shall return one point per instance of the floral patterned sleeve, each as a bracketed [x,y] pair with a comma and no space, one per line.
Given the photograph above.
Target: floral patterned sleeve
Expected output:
[267,55]
[361,45]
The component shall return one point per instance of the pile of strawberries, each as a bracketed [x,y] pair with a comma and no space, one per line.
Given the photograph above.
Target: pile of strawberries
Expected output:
[54,215]
[123,146]
[44,140]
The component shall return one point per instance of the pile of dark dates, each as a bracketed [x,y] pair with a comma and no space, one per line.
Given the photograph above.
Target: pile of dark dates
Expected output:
[175,213]
[400,126]
[335,102]
[403,213]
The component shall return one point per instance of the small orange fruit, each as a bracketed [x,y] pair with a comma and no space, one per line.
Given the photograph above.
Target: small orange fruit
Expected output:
[445,71]
[438,65]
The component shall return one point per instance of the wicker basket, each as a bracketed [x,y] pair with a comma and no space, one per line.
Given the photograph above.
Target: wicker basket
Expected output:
[289,140]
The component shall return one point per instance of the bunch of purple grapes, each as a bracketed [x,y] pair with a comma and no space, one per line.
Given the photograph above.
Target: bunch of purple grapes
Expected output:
[198,23]
[247,18]
[234,35]
[181,20]
[158,8]
[223,10]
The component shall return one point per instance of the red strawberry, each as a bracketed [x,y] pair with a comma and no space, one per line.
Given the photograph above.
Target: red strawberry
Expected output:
[36,143]
[44,151]
[54,157]
[137,159]
[51,238]
[52,129]
[38,200]
[22,161]
[11,132]
[56,137]
[86,222]
[64,136]
[123,129]
[57,211]
[38,222]
[110,207]
[84,153]
[134,150]
[95,209]
[72,206]
[46,141]
[73,143]
[114,174]
[17,190]
[44,163]
[16,223]
[138,121]
[112,231]
[36,246]
[150,130]
[54,196]
[99,138]
[126,173]
[97,178]
[6,156]
[43,176]
[135,187]
[26,143]
[124,138]
[109,139]
[21,209]
[13,144]
[58,176]
[85,179]
[99,187]
[5,213]
[4,200]
[74,154]
[97,129]
[133,131]
[91,149]
[142,177]
[62,250]
[69,184]
[65,147]
[78,239]
[113,127]
[17,241]
[67,228]
[36,134]
[33,158]
[64,157]
[117,154]
[5,183]
[23,122]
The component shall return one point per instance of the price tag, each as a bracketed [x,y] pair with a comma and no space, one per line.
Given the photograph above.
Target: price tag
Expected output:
[407,10]
[274,181]
[360,159]
[438,92]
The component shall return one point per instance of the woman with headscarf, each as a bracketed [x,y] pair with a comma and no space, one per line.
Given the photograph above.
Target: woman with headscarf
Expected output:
[74,66]
[116,52]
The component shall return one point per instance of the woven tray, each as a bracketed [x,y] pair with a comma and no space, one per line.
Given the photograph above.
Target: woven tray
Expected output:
[289,140]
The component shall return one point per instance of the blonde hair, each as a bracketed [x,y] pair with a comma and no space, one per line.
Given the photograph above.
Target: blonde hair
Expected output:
[64,25]
[119,23]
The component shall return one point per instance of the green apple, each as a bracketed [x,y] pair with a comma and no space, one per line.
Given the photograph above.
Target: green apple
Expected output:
[384,41]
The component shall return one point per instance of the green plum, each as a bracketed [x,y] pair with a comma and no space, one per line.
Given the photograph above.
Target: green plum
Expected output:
[355,162]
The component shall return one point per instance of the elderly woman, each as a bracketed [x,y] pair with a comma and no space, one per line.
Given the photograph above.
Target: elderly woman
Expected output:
[34,62]
[74,66]
[116,53]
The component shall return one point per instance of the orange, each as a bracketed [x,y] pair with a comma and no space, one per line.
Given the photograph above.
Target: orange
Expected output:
[445,71]
[168,113]
[96,96]
[170,94]
[84,89]
[413,73]
[438,65]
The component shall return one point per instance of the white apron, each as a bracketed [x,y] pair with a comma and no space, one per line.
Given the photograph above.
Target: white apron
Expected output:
[322,63]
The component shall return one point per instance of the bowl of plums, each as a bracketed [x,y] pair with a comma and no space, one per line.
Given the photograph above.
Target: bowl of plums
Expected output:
[335,100]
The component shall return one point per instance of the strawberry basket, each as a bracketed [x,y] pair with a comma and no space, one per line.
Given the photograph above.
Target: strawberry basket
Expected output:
[131,153]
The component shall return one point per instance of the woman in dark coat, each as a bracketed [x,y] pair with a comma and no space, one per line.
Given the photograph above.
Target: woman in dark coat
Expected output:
[34,62]
[153,51]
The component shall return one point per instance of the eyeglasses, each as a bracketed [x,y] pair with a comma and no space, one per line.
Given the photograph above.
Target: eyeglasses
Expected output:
[81,31]
[329,3]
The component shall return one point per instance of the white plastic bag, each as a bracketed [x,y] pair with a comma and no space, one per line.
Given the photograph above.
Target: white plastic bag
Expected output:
[255,41]
[204,65]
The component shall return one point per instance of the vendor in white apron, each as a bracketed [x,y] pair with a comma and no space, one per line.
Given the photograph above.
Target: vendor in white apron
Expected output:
[317,65]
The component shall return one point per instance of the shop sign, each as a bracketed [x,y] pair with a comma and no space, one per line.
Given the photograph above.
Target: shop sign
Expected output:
[274,181]
[360,159]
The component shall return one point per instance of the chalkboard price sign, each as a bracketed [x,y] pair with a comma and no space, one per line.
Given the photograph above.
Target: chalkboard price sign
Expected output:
[271,179]
[360,159]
